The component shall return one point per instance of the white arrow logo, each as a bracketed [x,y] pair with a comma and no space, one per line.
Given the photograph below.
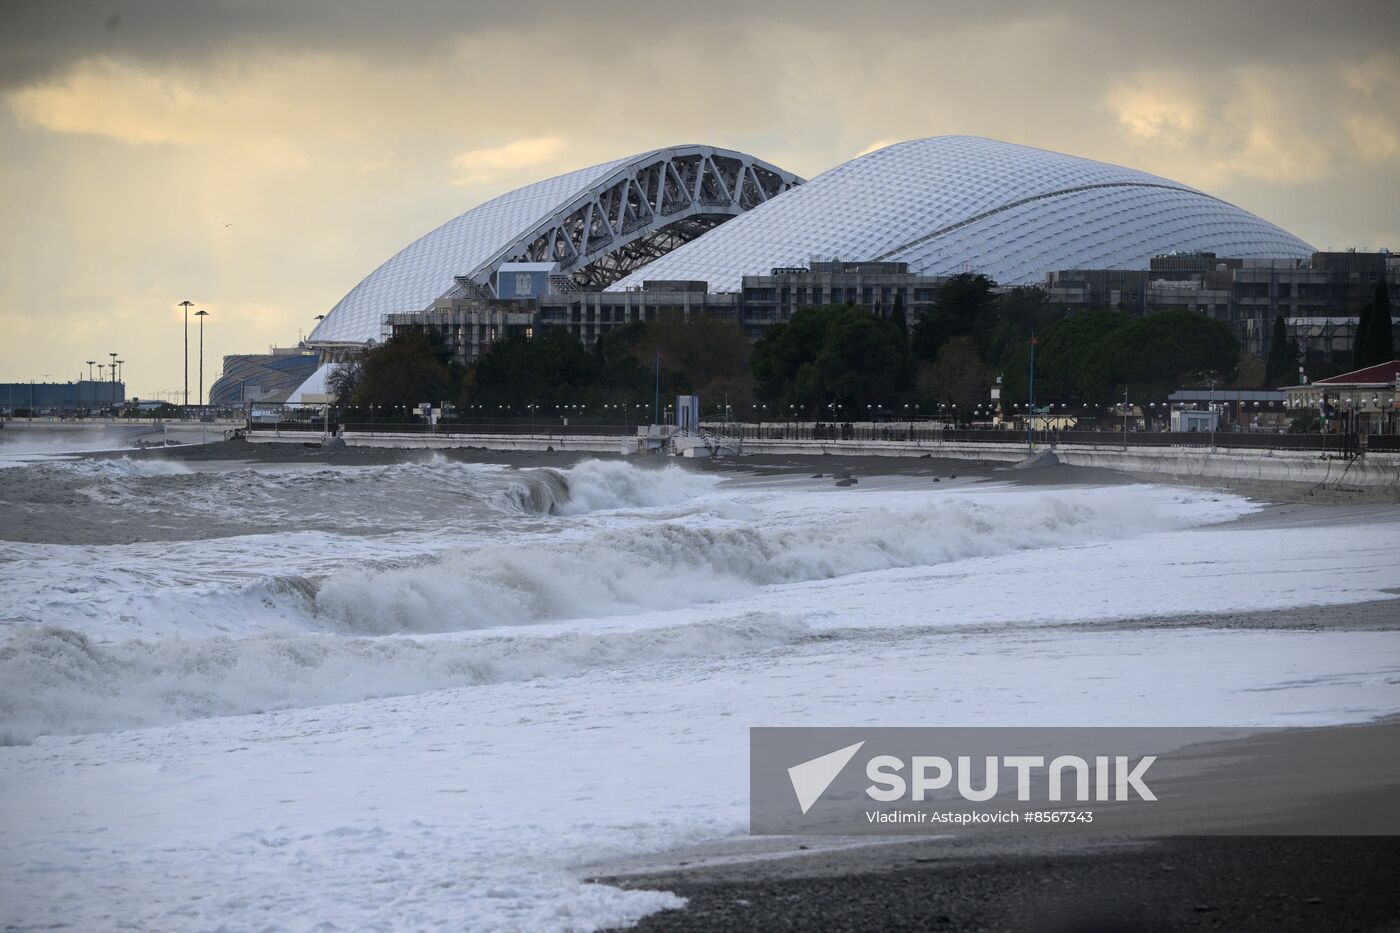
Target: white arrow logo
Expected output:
[811,778]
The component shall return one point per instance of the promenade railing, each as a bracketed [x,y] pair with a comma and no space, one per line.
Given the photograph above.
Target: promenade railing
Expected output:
[307,423]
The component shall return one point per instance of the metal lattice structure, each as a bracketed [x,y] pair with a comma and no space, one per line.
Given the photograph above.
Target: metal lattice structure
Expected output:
[599,224]
[642,211]
[953,204]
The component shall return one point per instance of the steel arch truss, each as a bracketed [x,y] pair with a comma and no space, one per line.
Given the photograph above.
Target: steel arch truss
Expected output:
[641,211]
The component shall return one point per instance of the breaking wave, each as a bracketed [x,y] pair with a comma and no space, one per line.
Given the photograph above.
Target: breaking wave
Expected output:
[307,626]
[86,499]
[671,564]
[57,681]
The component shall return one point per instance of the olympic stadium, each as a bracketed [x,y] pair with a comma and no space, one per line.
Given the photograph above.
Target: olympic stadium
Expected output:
[710,217]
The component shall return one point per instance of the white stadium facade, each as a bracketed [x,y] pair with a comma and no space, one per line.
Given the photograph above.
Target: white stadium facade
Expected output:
[700,214]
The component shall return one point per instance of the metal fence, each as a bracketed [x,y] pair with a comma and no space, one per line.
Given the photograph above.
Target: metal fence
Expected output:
[915,433]
[543,428]
[899,433]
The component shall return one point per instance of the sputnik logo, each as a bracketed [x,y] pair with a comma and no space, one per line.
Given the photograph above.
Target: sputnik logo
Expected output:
[1115,777]
[811,778]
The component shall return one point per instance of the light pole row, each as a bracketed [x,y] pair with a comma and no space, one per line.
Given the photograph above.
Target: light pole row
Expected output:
[201,314]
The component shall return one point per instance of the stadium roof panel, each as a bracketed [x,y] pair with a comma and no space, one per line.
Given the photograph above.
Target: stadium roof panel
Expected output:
[951,204]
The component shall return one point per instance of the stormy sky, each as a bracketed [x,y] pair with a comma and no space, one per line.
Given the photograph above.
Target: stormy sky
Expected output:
[259,158]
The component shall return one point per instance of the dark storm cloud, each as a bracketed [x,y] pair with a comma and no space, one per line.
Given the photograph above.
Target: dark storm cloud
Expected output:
[39,38]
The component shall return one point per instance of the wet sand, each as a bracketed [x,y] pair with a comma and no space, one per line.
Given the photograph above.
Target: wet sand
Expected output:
[1244,884]
[1261,872]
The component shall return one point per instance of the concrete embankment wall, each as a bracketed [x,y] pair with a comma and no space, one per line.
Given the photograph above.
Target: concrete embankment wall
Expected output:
[1253,465]
[1250,465]
[589,443]
[1376,472]
[113,435]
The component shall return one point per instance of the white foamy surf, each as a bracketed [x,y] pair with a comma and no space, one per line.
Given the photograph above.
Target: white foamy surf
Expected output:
[456,684]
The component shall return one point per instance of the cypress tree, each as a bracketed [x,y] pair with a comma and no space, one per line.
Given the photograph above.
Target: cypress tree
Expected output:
[897,315]
[1361,340]
[1381,334]
[1278,361]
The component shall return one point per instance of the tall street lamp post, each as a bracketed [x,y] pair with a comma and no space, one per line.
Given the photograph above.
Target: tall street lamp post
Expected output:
[1125,417]
[201,314]
[112,373]
[187,304]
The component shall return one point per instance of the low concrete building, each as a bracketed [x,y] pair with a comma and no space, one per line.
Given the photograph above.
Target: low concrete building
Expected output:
[61,398]
[1189,419]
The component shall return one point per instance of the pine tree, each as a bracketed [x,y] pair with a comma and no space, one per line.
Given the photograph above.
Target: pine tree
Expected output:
[1278,362]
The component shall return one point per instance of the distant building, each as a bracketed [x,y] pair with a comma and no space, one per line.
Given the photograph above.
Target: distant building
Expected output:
[262,377]
[61,398]
[1328,291]
[1190,419]
[1246,408]
[1369,393]
[1325,340]
[776,297]
[469,324]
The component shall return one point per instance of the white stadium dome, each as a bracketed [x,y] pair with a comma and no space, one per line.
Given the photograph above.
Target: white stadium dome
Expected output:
[944,205]
[952,204]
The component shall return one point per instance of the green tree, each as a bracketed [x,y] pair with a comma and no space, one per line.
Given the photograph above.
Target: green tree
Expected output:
[549,369]
[1251,373]
[1156,354]
[343,381]
[1077,360]
[862,362]
[963,305]
[624,371]
[836,354]
[406,370]
[1089,357]
[956,375]
[704,354]
[1020,312]
[781,354]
